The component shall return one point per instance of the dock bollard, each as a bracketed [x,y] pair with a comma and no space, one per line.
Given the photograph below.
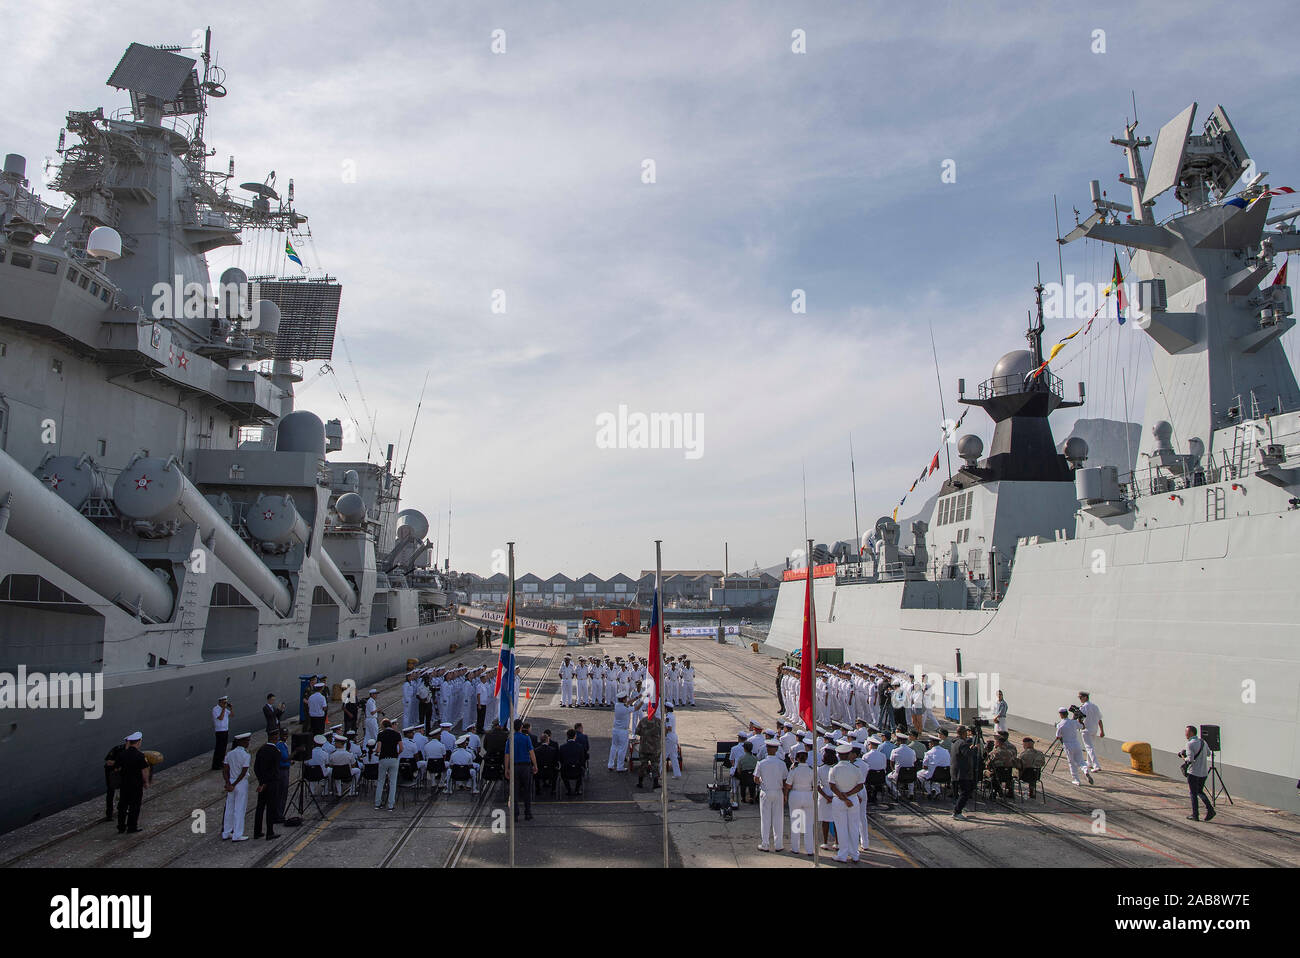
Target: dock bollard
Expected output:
[1140,755]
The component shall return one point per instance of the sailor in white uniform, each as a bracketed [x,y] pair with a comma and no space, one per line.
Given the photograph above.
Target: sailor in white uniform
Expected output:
[935,757]
[688,682]
[619,736]
[799,800]
[1093,729]
[410,702]
[581,680]
[373,711]
[1069,731]
[461,755]
[770,776]
[670,741]
[858,762]
[901,757]
[235,770]
[567,671]
[844,788]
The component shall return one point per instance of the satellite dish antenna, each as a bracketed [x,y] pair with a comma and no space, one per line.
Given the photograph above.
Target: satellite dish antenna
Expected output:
[260,189]
[104,243]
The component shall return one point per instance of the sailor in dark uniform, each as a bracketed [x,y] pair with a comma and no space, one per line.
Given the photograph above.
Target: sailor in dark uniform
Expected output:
[266,766]
[135,779]
[112,777]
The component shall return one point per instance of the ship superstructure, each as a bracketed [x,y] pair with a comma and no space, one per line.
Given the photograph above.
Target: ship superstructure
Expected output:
[167,518]
[1166,591]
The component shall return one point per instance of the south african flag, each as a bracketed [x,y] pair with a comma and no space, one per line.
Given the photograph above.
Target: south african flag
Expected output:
[505,687]
[290,252]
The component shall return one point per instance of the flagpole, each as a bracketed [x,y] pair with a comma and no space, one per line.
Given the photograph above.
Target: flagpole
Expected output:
[507,689]
[663,724]
[812,668]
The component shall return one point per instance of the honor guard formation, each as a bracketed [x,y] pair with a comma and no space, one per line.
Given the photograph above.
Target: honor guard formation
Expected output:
[884,777]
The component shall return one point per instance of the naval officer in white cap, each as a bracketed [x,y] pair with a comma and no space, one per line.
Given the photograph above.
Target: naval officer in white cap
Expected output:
[373,711]
[845,786]
[799,799]
[770,775]
[236,775]
[1068,731]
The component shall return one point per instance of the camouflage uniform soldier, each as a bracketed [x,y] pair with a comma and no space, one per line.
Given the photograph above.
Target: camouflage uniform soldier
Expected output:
[648,757]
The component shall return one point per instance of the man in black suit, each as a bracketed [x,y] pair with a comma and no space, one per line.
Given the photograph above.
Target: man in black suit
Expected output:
[548,760]
[581,738]
[272,713]
[573,758]
[266,766]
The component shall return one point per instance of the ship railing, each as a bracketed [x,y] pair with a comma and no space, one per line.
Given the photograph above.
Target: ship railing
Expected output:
[1015,384]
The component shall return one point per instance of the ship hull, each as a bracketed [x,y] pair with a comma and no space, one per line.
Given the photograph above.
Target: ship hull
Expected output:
[1198,624]
[54,757]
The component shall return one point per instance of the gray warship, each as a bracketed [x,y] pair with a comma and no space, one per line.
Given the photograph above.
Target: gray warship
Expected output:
[1167,590]
[168,520]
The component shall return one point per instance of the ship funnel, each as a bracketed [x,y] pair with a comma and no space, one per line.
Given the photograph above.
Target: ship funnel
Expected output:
[16,165]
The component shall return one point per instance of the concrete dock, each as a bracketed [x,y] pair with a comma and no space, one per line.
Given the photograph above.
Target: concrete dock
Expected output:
[1125,820]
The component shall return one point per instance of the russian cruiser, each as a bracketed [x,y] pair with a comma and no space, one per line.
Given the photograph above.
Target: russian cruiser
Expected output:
[168,521]
[1168,591]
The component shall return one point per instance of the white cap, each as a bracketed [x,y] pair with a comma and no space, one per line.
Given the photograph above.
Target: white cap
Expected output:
[134,737]
[374,691]
[844,749]
[773,744]
[319,739]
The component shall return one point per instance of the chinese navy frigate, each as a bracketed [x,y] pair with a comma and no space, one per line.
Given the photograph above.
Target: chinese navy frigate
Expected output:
[168,520]
[1168,591]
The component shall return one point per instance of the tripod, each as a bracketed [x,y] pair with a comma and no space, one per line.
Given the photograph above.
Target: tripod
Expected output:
[300,795]
[1216,782]
[1054,752]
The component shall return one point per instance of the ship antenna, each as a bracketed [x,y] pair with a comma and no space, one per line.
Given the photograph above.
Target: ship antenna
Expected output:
[1035,334]
[1060,263]
[411,439]
[947,451]
[853,472]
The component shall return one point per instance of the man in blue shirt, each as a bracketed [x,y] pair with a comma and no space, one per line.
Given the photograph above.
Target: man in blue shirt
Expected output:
[525,767]
[282,789]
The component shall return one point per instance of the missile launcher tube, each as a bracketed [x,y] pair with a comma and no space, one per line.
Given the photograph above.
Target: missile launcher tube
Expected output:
[51,528]
[155,490]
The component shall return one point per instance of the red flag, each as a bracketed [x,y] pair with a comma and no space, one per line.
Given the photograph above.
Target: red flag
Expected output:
[656,638]
[934,464]
[808,659]
[1280,278]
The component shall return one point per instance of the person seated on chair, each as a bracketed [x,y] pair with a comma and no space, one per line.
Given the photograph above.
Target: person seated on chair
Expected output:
[462,756]
[409,747]
[548,760]
[1001,756]
[1031,758]
[319,754]
[935,757]
[572,759]
[434,751]
[745,766]
[495,740]
[343,767]
[901,757]
[917,744]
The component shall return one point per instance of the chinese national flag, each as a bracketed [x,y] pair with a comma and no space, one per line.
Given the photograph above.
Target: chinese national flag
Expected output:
[808,662]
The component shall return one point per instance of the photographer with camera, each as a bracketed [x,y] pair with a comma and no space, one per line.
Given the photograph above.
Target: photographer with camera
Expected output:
[1197,770]
[1070,730]
[1092,729]
[965,758]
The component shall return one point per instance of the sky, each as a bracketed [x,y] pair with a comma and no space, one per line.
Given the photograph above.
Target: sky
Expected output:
[478,176]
